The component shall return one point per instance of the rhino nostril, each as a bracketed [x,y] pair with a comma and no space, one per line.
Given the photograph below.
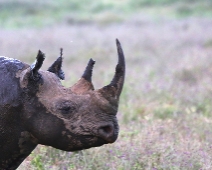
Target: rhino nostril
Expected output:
[107,129]
[107,133]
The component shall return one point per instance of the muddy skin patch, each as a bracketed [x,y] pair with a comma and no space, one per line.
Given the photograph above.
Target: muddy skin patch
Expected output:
[23,75]
[26,142]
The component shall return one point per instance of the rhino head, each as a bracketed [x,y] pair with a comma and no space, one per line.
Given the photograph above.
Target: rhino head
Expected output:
[73,118]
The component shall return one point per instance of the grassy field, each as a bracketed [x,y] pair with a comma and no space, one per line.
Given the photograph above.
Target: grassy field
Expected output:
[38,13]
[165,108]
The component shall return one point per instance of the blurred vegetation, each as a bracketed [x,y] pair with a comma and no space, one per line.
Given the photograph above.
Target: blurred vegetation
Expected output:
[165,108]
[38,13]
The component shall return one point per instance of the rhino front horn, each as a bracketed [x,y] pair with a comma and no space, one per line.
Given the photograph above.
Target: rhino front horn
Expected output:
[113,90]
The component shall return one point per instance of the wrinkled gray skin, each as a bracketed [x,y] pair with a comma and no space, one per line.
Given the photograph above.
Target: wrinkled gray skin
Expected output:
[36,109]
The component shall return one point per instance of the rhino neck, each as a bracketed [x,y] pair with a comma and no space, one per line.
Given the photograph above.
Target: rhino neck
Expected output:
[17,148]
[15,142]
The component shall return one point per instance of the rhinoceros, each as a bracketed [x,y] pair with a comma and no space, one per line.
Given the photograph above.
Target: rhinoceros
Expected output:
[35,108]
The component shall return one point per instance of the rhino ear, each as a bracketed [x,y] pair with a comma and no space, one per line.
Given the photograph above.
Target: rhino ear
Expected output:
[34,74]
[57,65]
[84,84]
[113,90]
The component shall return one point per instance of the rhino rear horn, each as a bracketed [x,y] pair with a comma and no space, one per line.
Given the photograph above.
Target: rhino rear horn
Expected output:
[84,84]
[87,75]
[113,90]
[36,66]
[56,67]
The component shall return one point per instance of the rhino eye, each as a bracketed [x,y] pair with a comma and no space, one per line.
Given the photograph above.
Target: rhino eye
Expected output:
[67,109]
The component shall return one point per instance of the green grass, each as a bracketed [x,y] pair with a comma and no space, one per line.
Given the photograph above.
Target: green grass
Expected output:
[19,14]
[32,13]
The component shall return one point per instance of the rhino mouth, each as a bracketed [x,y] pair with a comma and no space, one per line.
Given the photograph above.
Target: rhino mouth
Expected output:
[98,141]
[88,142]
[95,141]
